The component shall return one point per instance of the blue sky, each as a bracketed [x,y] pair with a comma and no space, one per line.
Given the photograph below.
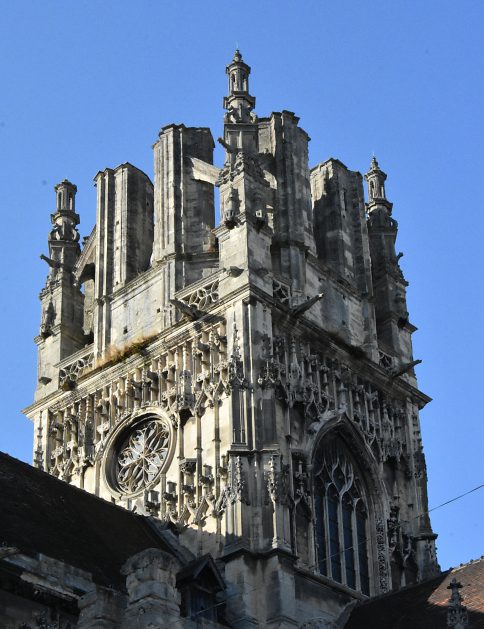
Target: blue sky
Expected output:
[87,85]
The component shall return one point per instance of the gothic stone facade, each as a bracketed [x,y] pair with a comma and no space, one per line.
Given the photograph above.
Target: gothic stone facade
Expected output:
[252,384]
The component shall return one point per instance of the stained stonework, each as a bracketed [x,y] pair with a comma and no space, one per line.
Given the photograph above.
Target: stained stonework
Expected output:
[250,386]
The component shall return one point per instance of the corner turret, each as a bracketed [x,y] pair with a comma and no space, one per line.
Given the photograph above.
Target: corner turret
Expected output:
[376,178]
[393,327]
[239,102]
[240,124]
[64,237]
[61,331]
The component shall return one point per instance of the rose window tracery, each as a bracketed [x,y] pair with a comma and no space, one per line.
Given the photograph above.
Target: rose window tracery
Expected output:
[142,456]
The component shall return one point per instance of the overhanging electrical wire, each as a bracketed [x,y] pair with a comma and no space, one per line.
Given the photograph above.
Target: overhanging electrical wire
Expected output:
[420,515]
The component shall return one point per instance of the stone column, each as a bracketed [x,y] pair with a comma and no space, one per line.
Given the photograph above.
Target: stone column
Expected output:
[153,600]
[101,608]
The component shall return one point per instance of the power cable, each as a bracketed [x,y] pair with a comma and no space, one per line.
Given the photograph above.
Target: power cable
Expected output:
[443,504]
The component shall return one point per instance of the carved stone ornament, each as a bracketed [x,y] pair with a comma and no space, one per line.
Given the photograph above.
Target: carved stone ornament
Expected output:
[381,554]
[69,374]
[142,456]
[137,452]
[457,616]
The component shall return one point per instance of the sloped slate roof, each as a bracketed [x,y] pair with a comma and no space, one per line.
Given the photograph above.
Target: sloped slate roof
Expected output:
[41,514]
[203,569]
[425,605]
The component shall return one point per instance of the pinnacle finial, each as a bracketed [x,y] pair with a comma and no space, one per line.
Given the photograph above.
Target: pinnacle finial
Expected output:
[457,616]
[374,163]
[239,102]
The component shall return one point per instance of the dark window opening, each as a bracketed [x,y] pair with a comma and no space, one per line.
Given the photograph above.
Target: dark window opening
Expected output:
[341,536]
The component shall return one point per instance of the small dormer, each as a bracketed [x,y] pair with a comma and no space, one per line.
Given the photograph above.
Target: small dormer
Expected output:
[199,582]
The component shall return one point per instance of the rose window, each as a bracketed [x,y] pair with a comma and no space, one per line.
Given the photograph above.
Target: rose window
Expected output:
[142,455]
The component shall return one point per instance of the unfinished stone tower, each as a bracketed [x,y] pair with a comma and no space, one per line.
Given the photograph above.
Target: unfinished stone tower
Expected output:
[249,385]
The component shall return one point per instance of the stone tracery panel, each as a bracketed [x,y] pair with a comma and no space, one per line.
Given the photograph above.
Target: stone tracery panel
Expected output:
[141,457]
[341,510]
[325,387]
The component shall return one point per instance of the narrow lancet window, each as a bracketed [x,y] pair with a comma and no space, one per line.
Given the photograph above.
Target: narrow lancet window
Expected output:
[341,534]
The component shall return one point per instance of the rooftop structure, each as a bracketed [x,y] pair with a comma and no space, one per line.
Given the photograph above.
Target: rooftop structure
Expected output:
[249,385]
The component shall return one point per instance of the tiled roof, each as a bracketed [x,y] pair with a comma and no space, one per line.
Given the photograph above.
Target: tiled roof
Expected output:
[41,514]
[425,605]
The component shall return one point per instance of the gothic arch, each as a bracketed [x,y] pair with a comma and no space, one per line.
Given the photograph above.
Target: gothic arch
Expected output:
[348,505]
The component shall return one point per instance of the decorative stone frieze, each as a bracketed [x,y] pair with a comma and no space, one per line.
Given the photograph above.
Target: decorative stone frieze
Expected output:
[236,384]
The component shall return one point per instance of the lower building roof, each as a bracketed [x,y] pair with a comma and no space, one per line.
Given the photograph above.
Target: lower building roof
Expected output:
[425,604]
[40,514]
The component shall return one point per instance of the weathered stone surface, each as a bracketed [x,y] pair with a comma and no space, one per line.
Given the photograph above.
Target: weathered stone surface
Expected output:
[153,600]
[251,385]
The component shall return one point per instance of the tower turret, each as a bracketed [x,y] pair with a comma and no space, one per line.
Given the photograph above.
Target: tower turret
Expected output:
[376,185]
[61,331]
[64,237]
[389,285]
[240,124]
[239,102]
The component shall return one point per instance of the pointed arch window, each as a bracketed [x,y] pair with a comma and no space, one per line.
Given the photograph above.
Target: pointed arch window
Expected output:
[341,519]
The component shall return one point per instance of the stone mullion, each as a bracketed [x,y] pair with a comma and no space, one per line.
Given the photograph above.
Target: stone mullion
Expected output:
[97,416]
[318,381]
[164,373]
[356,547]
[371,411]
[90,418]
[217,442]
[96,438]
[327,532]
[82,440]
[324,379]
[63,431]
[287,408]
[250,419]
[159,370]
[121,388]
[378,418]
[73,423]
[138,389]
[198,470]
[181,456]
[366,409]
[312,559]
[351,393]
[112,403]
[341,538]
[333,386]
[190,365]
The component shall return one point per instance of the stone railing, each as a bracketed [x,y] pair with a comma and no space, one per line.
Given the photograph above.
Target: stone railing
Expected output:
[202,296]
[281,292]
[385,360]
[74,366]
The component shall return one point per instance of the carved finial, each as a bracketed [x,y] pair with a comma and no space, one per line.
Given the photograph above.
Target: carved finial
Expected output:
[239,103]
[376,183]
[457,617]
[235,342]
[65,219]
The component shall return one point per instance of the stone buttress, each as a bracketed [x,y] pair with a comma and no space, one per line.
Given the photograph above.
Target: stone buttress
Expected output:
[250,385]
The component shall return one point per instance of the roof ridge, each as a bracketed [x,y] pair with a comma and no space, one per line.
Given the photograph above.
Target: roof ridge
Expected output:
[467,563]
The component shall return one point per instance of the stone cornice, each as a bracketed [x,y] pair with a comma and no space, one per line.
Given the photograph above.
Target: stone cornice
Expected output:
[183,331]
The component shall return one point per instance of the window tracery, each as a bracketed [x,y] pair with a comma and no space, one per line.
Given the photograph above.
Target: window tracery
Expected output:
[141,456]
[341,513]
